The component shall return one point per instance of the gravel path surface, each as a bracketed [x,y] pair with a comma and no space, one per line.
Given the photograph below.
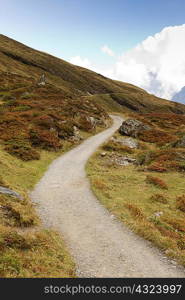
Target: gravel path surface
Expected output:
[101,245]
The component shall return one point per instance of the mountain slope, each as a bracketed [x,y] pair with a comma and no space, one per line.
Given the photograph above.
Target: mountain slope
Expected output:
[25,66]
[16,57]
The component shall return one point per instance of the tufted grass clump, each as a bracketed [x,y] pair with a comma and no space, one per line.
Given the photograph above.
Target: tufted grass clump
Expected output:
[159,198]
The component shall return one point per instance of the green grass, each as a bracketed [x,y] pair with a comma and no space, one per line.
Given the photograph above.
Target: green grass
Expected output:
[21,175]
[125,192]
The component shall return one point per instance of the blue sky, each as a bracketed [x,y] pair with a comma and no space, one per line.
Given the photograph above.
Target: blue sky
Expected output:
[80,27]
[70,28]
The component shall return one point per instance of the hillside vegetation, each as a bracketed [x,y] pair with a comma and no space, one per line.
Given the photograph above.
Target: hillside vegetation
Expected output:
[41,119]
[149,194]
[26,65]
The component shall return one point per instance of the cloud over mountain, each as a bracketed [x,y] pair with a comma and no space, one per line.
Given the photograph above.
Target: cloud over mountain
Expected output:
[157,64]
[82,62]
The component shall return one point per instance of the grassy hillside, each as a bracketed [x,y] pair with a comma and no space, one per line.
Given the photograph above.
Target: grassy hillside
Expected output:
[25,65]
[27,249]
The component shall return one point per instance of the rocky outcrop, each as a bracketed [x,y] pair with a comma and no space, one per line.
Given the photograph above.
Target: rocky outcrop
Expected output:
[123,160]
[76,136]
[133,127]
[93,121]
[9,192]
[42,80]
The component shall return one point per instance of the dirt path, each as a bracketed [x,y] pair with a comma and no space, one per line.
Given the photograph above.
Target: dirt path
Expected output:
[100,245]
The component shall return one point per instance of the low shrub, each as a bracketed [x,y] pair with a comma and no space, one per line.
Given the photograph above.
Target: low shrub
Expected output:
[45,139]
[65,130]
[157,167]
[85,124]
[44,121]
[163,120]
[21,150]
[156,136]
[12,126]
[157,182]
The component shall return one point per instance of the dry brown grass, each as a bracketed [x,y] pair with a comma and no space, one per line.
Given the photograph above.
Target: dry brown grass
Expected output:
[134,210]
[157,182]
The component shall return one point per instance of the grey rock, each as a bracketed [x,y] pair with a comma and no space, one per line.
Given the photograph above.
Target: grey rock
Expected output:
[133,127]
[124,160]
[128,142]
[42,80]
[74,139]
[7,191]
[76,130]
[77,136]
[93,121]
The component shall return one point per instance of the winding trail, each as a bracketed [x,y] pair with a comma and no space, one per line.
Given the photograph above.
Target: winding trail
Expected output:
[101,245]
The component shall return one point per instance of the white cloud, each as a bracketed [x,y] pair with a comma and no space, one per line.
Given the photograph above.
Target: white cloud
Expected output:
[82,62]
[105,49]
[157,64]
